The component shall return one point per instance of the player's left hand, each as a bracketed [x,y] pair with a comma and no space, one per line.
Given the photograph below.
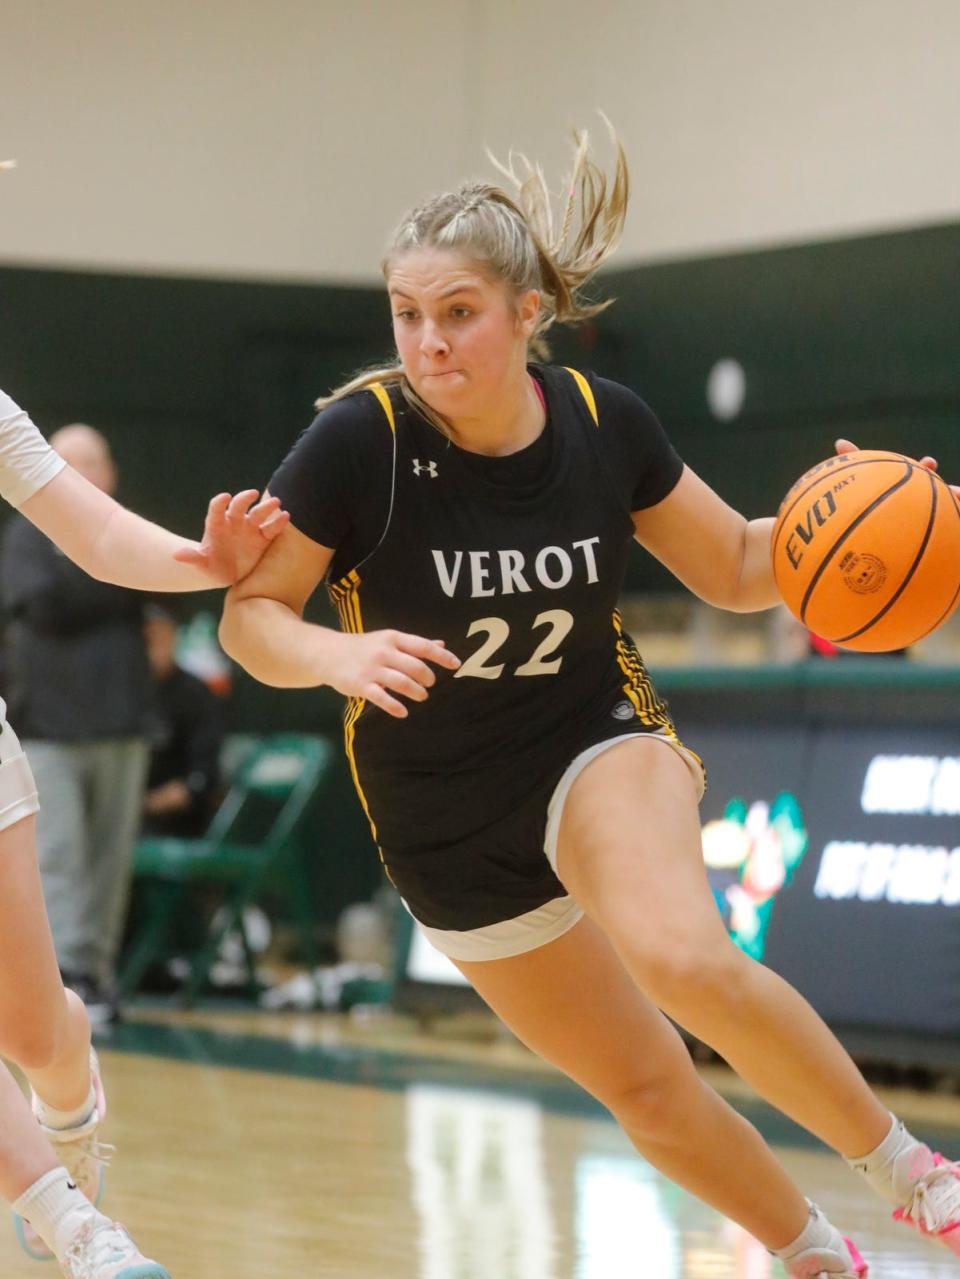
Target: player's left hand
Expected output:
[235,534]
[845,446]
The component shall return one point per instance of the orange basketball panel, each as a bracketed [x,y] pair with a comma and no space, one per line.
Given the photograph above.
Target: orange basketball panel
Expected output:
[820,507]
[866,550]
[932,592]
[866,564]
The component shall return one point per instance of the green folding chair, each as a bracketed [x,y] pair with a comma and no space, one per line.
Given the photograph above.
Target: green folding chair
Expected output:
[258,833]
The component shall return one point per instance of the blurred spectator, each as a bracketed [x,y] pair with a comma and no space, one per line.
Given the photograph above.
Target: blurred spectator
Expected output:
[186,737]
[79,688]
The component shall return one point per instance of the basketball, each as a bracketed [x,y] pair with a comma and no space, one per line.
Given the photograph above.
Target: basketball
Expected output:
[866,550]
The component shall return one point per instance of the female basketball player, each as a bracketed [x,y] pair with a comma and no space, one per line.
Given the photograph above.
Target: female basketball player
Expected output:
[530,797]
[44,1028]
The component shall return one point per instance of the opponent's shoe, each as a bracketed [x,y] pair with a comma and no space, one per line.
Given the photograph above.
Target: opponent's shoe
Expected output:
[928,1187]
[102,1249]
[83,1156]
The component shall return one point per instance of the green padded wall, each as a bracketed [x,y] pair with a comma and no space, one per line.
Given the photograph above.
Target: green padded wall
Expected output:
[203,384]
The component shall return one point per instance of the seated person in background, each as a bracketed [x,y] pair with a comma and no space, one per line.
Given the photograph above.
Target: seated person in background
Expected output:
[185,738]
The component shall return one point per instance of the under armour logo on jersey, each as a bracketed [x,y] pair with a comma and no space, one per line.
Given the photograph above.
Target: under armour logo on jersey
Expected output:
[425,468]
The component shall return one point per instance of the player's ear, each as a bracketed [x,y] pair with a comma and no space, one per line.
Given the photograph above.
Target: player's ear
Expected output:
[528,311]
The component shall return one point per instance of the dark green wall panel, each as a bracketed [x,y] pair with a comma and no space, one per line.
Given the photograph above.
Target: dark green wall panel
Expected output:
[203,384]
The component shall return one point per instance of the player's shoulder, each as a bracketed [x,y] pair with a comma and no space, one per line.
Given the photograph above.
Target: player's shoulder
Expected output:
[360,411]
[619,402]
[347,427]
[616,404]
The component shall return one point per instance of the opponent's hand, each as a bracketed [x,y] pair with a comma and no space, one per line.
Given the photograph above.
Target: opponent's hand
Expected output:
[374,666]
[235,534]
[845,446]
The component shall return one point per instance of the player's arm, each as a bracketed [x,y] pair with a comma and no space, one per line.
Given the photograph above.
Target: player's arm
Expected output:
[263,629]
[113,544]
[717,553]
[713,550]
[262,626]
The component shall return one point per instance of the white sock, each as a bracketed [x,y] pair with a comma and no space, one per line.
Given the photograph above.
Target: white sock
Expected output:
[817,1233]
[881,1166]
[56,1209]
[51,1117]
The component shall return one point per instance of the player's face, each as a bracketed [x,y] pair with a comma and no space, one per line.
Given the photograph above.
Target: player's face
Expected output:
[461,336]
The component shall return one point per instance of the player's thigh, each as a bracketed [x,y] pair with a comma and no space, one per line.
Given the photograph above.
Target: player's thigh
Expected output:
[630,851]
[573,1003]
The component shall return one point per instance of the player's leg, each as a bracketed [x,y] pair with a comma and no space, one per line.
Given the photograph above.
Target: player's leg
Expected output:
[50,1210]
[45,1029]
[25,1156]
[48,1207]
[629,850]
[54,1217]
[574,1004]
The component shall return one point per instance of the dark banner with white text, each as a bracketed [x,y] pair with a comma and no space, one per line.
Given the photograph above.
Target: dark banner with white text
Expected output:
[834,855]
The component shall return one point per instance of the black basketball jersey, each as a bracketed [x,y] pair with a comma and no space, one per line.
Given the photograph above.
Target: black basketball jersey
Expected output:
[520,579]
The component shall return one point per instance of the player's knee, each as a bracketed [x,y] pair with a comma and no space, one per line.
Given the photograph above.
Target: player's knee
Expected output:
[688,973]
[652,1107]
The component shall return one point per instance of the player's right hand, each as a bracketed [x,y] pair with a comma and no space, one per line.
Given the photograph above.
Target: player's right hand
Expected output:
[374,666]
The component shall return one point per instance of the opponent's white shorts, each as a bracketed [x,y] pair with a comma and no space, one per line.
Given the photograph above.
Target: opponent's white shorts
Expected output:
[554,918]
[18,790]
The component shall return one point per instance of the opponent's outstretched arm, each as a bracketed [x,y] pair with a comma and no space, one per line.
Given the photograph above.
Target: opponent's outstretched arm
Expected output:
[115,545]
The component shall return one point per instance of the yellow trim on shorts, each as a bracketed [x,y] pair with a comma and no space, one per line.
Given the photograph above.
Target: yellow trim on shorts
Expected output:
[638,686]
[586,391]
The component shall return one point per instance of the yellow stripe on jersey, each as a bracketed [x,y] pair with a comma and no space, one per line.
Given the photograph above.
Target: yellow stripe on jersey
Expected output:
[587,392]
[346,598]
[345,595]
[638,686]
[380,391]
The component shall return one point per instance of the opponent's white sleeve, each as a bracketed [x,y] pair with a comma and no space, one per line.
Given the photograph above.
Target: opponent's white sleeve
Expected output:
[27,461]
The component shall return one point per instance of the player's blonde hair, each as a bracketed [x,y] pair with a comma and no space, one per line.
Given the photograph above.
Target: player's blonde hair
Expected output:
[518,241]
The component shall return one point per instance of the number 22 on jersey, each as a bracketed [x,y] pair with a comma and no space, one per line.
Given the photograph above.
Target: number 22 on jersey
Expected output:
[497,631]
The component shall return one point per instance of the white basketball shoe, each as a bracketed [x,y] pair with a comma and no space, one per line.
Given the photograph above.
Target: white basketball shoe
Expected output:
[102,1249]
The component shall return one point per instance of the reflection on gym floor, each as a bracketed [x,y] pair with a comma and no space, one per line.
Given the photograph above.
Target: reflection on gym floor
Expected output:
[501,1188]
[248,1154]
